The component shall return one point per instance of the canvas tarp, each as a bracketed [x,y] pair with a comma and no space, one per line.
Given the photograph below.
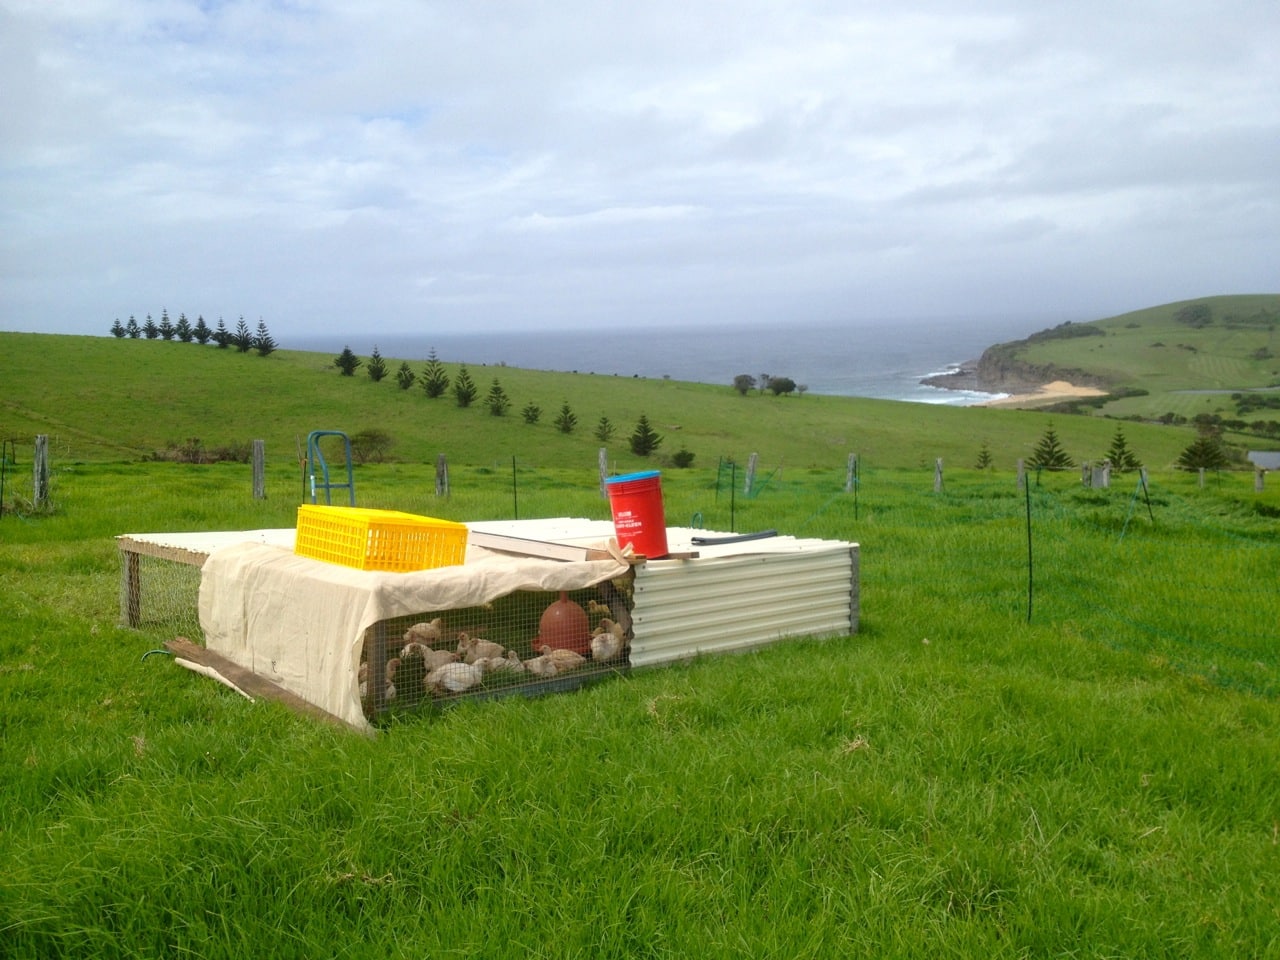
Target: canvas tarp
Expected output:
[301,622]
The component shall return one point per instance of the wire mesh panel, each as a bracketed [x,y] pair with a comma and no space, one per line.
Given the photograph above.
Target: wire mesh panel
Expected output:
[525,643]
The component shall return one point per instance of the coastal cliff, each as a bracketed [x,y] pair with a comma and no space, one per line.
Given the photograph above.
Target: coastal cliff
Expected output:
[1000,369]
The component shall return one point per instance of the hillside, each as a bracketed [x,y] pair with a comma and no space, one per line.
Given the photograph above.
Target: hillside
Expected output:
[1183,358]
[100,398]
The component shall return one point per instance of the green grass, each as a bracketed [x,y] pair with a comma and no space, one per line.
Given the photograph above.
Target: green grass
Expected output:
[951,781]
[101,399]
[957,779]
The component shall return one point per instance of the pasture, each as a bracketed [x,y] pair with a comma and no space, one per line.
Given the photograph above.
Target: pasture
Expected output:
[1069,757]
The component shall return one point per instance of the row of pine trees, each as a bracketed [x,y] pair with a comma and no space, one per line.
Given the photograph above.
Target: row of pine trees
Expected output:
[242,338]
[436,382]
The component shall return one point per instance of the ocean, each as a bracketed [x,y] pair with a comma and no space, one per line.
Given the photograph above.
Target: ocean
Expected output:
[885,360]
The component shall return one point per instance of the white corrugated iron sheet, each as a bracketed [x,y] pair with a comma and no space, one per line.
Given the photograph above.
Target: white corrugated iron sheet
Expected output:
[716,604]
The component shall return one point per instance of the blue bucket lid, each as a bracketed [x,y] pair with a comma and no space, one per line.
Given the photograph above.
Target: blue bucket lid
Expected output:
[642,475]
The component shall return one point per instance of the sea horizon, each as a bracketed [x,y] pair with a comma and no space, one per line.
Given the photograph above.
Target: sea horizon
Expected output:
[886,360]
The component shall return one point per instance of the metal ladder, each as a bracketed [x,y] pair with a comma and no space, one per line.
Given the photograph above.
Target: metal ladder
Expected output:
[315,459]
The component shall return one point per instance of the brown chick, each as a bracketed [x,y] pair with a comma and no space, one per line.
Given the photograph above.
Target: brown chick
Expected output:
[427,632]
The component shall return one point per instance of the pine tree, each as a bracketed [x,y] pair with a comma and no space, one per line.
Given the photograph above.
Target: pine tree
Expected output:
[464,388]
[498,401]
[405,376]
[132,328]
[532,413]
[604,430]
[117,329]
[1048,454]
[263,342]
[1205,453]
[201,331]
[166,325]
[644,439]
[347,362]
[1121,457]
[242,338]
[149,329]
[182,329]
[984,457]
[566,419]
[376,368]
[221,335]
[435,382]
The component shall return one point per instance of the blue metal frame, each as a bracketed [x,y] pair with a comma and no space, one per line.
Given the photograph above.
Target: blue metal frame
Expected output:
[315,458]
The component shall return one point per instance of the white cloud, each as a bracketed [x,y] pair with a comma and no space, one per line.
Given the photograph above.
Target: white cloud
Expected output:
[313,161]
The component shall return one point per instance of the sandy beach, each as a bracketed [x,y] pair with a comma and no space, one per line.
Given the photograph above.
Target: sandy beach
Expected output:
[1045,394]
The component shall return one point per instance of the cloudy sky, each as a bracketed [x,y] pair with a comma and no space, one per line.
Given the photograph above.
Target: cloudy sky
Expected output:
[418,165]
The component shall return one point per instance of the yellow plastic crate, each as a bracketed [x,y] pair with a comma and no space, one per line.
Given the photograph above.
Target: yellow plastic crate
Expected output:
[378,539]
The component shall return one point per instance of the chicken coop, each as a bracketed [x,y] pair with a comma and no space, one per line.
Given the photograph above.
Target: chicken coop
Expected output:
[536,606]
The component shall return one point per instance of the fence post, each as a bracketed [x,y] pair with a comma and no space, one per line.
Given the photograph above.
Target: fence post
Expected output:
[850,471]
[1022,473]
[259,470]
[40,472]
[602,464]
[937,475]
[751,472]
[442,476]
[1259,476]
[1202,478]
[1086,474]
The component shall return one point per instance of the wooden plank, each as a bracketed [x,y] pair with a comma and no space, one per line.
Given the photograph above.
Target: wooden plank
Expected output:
[251,683]
[194,558]
[544,549]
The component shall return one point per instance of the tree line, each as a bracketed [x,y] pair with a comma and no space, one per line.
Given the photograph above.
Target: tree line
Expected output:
[435,381]
[241,338]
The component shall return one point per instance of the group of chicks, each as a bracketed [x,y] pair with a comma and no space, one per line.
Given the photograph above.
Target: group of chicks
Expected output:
[428,665]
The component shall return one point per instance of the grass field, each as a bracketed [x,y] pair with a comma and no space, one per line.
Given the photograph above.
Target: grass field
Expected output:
[1052,736]
[1153,350]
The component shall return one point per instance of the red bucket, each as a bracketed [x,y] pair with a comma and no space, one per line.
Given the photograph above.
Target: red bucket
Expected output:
[638,518]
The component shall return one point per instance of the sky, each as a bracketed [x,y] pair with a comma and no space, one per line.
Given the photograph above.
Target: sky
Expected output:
[410,166]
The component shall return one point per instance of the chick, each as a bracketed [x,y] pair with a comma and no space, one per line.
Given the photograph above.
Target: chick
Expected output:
[563,660]
[605,645]
[471,649]
[454,677]
[427,632]
[510,664]
[596,608]
[389,688]
[412,672]
[430,658]
[540,666]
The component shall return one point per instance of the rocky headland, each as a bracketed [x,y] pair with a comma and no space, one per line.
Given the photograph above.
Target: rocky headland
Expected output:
[1001,369]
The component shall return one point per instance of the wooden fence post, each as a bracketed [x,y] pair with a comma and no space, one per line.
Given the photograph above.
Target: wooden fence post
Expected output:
[1202,478]
[442,476]
[259,470]
[602,464]
[40,472]
[850,472]
[751,472]
[937,475]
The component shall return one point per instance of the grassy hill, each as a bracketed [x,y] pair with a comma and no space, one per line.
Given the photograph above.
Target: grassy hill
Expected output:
[1184,358]
[104,399]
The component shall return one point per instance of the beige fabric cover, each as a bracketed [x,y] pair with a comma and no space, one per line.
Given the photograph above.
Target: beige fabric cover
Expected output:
[300,622]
